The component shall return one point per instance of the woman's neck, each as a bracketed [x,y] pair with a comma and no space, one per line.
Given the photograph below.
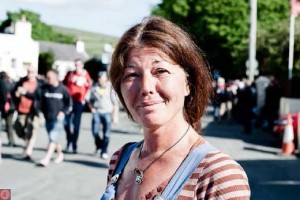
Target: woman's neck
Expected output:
[159,139]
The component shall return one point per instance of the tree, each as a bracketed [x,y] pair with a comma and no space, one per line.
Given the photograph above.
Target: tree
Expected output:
[40,30]
[273,37]
[221,29]
[46,60]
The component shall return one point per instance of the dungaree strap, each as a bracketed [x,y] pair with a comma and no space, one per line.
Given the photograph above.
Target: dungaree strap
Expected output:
[111,188]
[125,157]
[185,171]
[176,183]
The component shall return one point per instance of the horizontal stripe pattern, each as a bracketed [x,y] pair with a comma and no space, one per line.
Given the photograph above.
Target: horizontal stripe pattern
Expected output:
[221,178]
[113,164]
[216,177]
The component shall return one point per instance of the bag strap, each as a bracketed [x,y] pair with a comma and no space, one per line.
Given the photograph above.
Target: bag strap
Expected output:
[125,157]
[185,171]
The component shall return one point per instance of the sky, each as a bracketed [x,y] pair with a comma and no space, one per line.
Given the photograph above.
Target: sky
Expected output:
[110,17]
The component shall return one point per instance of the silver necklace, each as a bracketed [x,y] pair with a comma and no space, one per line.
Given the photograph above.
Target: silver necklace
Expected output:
[140,173]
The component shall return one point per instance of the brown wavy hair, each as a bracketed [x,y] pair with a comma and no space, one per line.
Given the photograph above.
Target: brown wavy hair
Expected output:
[157,32]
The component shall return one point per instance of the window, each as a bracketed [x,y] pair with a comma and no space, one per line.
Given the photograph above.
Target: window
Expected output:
[14,63]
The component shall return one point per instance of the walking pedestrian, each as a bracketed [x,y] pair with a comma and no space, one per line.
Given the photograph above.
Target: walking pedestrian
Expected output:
[9,108]
[247,102]
[270,111]
[2,102]
[164,84]
[26,96]
[220,100]
[55,102]
[104,106]
[78,83]
[230,97]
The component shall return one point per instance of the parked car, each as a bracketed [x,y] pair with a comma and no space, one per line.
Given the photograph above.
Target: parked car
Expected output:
[280,124]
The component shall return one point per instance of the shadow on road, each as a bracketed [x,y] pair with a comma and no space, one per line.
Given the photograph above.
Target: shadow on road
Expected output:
[235,131]
[17,157]
[273,179]
[257,149]
[87,163]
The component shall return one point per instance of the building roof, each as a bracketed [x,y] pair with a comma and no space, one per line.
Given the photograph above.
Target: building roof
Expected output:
[66,52]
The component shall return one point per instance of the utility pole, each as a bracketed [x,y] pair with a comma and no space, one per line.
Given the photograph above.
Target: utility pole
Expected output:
[252,40]
[295,10]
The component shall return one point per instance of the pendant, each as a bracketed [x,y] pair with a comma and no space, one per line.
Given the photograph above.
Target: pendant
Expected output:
[139,177]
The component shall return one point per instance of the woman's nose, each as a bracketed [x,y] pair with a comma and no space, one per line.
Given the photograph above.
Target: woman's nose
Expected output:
[147,85]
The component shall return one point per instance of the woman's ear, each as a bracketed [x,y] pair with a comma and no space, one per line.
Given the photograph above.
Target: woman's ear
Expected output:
[187,88]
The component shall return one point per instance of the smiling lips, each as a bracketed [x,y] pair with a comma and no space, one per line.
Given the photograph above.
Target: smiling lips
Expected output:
[148,103]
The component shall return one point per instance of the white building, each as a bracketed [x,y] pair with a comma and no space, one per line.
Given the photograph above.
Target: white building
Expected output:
[64,55]
[18,50]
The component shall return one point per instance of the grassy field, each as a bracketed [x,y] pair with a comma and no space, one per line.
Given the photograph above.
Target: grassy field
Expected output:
[93,41]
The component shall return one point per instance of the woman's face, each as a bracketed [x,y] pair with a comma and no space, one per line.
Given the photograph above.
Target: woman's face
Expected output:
[153,87]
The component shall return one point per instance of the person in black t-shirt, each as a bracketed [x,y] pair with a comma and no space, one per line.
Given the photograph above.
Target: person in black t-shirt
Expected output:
[55,103]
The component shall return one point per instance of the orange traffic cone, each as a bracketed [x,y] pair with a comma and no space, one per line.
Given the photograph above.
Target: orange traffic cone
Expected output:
[288,145]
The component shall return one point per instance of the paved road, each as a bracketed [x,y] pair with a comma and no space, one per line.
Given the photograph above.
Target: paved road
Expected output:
[83,176]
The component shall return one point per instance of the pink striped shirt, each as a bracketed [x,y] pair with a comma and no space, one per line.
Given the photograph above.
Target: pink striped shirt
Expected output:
[216,177]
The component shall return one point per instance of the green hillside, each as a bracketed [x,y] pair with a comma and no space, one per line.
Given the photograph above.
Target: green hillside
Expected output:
[93,41]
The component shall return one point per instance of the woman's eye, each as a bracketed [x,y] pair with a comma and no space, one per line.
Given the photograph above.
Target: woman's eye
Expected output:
[130,76]
[161,71]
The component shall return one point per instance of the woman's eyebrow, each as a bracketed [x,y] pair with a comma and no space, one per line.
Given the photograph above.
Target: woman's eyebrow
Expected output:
[155,61]
[162,59]
[129,66]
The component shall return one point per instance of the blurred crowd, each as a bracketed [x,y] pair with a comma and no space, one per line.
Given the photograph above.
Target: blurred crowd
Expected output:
[33,99]
[252,104]
[58,105]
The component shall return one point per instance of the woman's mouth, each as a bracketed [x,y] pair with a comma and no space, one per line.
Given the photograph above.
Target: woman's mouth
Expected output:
[149,103]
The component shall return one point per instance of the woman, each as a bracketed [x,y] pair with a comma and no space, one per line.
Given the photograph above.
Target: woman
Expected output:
[163,83]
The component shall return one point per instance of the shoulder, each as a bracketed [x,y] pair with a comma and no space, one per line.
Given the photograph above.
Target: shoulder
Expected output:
[94,89]
[41,81]
[86,73]
[217,157]
[95,85]
[218,175]
[67,76]
[217,162]
[70,73]
[63,87]
[22,80]
[64,90]
[44,87]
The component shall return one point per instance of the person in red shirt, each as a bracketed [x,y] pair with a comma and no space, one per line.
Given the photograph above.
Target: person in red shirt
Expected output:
[78,83]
